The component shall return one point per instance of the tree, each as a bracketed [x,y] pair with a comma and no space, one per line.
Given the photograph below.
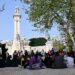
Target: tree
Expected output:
[37,41]
[59,46]
[45,12]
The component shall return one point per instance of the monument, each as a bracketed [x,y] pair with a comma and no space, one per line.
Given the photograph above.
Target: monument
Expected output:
[16,41]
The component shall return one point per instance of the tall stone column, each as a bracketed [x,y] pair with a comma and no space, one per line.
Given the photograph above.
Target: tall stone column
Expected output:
[16,41]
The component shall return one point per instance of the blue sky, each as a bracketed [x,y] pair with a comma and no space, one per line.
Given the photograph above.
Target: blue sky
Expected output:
[7,22]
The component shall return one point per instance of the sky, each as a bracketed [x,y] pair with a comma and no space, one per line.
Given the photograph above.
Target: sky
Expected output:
[7,22]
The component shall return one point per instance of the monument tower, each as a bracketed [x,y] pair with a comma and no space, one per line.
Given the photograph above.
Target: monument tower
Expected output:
[16,40]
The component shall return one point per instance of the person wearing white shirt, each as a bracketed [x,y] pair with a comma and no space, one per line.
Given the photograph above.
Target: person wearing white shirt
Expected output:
[69,61]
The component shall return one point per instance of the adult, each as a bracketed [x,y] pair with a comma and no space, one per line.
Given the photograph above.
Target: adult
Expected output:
[69,61]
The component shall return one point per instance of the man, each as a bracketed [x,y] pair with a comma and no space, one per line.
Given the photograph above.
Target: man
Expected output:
[69,61]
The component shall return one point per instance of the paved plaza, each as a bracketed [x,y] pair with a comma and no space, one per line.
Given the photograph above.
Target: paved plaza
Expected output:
[18,71]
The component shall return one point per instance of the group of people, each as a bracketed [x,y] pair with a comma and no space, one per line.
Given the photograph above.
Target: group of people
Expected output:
[39,60]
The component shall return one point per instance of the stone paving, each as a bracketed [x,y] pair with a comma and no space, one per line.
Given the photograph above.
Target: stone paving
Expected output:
[18,71]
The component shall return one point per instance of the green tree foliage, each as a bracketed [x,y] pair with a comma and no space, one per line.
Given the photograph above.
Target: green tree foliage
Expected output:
[61,47]
[58,45]
[45,12]
[37,41]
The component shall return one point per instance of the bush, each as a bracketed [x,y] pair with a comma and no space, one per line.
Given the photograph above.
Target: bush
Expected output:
[37,41]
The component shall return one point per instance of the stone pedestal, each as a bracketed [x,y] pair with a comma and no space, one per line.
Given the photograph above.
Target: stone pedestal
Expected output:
[16,45]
